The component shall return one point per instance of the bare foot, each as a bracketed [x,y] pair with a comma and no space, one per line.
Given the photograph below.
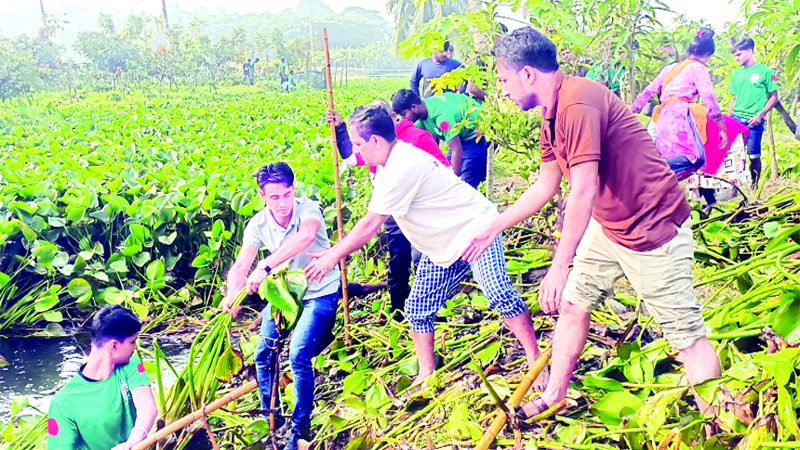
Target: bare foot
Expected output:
[540,383]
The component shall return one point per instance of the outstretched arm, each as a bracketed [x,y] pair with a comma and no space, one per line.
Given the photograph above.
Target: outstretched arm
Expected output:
[325,261]
[343,139]
[529,203]
[652,89]
[580,204]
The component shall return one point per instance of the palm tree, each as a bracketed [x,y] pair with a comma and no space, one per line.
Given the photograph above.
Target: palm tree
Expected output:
[408,17]
[164,10]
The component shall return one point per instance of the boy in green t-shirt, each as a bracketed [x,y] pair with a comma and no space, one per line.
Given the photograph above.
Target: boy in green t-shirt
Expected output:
[441,115]
[755,92]
[108,404]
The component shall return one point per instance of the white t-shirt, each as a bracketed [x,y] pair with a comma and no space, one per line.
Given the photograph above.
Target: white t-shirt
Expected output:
[436,210]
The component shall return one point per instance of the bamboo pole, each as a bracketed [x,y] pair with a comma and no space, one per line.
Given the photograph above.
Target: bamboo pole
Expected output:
[195,415]
[513,402]
[338,188]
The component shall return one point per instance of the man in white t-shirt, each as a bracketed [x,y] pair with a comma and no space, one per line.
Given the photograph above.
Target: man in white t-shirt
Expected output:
[437,212]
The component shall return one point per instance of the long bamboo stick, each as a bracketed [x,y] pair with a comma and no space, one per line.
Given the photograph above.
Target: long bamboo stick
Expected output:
[195,415]
[513,402]
[338,188]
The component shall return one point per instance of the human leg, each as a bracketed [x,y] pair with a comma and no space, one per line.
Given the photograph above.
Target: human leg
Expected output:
[315,317]
[433,285]
[473,162]
[589,283]
[399,264]
[753,147]
[663,278]
[265,353]
[492,276]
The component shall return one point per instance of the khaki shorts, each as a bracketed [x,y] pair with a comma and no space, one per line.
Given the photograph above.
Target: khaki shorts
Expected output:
[662,278]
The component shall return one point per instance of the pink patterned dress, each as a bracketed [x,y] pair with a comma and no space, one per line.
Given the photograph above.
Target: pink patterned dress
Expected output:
[674,135]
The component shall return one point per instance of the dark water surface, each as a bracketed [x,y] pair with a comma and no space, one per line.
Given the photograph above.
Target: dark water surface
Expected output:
[38,366]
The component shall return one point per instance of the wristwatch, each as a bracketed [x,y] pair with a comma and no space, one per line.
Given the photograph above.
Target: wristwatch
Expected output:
[263,266]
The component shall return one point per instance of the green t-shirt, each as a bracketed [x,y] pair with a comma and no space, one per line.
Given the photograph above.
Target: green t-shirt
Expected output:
[95,415]
[282,68]
[612,76]
[446,111]
[751,86]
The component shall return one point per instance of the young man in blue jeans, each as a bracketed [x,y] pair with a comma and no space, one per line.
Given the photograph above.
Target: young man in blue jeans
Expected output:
[755,92]
[289,228]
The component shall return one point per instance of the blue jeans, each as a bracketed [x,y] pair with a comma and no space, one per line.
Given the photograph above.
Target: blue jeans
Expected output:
[753,143]
[473,161]
[313,322]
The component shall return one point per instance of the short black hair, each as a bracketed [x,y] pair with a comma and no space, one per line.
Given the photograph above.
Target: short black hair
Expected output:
[526,47]
[404,99]
[372,120]
[113,322]
[744,43]
[703,43]
[448,46]
[275,172]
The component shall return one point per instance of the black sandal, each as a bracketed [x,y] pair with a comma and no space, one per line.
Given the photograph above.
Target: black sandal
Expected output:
[540,405]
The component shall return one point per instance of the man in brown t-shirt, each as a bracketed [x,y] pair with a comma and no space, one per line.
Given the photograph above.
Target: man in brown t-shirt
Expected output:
[626,213]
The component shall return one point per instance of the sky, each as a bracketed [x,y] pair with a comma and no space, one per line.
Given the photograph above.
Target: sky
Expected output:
[714,11]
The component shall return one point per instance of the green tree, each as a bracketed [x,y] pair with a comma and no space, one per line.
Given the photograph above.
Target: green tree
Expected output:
[410,15]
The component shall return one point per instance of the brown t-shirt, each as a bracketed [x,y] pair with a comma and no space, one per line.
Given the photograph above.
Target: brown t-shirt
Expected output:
[639,201]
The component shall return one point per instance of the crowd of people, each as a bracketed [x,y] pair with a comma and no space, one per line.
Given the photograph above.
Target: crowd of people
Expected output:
[626,216]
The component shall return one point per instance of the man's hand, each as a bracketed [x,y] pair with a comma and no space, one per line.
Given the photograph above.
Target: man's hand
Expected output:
[226,307]
[478,244]
[254,280]
[755,120]
[333,116]
[323,263]
[552,287]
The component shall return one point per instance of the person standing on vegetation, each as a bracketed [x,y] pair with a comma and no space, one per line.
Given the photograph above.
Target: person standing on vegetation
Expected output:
[681,130]
[399,247]
[115,385]
[433,67]
[247,71]
[626,214]
[440,115]
[755,92]
[282,70]
[437,212]
[288,227]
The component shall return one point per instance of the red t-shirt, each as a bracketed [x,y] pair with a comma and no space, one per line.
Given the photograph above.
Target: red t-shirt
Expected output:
[407,132]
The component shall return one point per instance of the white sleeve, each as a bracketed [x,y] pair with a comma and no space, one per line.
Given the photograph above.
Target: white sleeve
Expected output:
[350,160]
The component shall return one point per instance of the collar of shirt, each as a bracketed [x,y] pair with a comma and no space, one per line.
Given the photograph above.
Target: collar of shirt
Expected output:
[552,102]
[293,221]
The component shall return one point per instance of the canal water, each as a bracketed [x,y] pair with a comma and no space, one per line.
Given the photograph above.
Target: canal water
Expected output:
[38,366]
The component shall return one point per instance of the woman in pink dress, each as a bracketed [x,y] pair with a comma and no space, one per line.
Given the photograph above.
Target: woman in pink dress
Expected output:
[677,137]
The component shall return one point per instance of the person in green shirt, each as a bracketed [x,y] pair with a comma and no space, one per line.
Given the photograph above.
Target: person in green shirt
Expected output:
[442,116]
[611,77]
[108,404]
[282,70]
[755,92]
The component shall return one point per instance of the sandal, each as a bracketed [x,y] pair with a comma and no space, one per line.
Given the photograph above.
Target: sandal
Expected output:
[540,405]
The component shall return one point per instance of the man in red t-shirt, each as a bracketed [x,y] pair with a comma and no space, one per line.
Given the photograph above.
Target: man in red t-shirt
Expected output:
[626,214]
[399,248]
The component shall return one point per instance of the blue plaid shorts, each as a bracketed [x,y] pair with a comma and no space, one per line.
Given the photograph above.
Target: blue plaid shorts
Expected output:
[433,285]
